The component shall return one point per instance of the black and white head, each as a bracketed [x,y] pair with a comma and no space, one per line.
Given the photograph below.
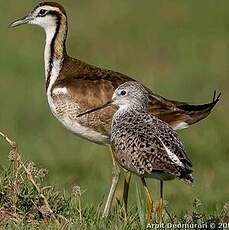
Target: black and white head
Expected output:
[46,14]
[131,94]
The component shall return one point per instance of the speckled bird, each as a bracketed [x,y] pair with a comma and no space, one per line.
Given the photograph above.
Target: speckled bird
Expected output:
[143,144]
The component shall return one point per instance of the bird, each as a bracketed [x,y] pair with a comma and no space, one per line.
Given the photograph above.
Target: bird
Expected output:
[74,86]
[143,144]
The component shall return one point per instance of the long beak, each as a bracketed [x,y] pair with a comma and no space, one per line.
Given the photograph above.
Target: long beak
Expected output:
[21,21]
[95,109]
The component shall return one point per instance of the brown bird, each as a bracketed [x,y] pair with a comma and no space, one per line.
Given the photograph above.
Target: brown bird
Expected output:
[73,86]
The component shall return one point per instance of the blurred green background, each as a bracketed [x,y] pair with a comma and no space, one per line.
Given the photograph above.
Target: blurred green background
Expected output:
[180,49]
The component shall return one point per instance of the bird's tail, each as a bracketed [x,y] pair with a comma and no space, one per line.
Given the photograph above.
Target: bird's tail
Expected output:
[199,112]
[180,115]
[188,179]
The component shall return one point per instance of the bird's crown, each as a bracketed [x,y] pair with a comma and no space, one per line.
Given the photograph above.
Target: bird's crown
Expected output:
[49,7]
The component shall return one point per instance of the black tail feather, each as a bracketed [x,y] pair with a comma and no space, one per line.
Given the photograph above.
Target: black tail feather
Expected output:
[188,179]
[204,107]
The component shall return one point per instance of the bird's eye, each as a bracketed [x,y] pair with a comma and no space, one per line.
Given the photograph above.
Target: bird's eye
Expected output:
[123,92]
[42,12]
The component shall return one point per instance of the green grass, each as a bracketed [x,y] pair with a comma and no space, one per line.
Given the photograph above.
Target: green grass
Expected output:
[180,49]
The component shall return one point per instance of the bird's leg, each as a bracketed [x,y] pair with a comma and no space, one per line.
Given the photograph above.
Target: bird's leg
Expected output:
[115,178]
[126,190]
[149,201]
[161,202]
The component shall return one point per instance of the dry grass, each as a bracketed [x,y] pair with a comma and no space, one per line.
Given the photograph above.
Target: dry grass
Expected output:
[23,198]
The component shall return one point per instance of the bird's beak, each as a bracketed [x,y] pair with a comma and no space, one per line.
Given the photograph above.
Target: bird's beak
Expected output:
[21,21]
[95,109]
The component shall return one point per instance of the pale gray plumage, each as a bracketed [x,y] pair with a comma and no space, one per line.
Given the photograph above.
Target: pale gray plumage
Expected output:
[142,143]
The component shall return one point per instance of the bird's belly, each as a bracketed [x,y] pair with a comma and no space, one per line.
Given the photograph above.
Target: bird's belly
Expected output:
[83,131]
[154,174]
[66,113]
[160,175]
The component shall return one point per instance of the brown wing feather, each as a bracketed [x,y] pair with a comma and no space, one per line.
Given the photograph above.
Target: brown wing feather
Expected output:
[92,87]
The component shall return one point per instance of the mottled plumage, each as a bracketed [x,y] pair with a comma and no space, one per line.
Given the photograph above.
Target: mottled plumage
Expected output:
[142,143]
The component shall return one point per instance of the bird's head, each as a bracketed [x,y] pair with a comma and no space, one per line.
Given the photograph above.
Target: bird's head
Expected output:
[130,93]
[46,14]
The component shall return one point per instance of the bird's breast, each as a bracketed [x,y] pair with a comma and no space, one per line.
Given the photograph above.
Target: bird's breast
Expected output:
[66,110]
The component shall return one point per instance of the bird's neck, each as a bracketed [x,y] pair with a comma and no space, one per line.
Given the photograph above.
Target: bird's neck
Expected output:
[55,50]
[132,108]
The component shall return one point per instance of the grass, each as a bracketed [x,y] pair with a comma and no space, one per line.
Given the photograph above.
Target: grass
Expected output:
[29,204]
[177,48]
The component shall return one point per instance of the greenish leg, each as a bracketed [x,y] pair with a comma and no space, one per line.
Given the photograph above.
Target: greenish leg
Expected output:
[115,178]
[149,201]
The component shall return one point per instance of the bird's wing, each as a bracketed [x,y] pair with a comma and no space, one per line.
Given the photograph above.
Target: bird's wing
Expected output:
[158,146]
[92,87]
[168,137]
